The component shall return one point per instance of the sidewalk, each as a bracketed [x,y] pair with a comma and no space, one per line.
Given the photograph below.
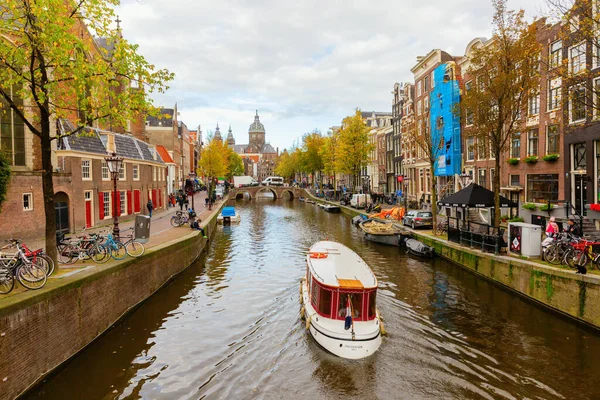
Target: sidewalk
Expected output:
[161,232]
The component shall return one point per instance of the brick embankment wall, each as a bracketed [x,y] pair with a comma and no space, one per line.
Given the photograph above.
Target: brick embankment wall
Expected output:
[576,296]
[40,330]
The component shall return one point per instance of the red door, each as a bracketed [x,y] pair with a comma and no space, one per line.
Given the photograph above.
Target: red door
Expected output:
[136,201]
[154,198]
[88,214]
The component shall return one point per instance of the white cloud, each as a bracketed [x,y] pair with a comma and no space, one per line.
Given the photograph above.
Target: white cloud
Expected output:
[303,64]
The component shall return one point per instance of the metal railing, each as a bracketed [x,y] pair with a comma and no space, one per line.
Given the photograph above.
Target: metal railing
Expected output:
[476,235]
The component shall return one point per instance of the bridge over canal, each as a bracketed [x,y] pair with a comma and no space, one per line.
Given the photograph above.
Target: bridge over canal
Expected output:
[278,192]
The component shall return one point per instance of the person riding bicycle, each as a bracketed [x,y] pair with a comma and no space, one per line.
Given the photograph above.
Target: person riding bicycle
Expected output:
[573,228]
[195,225]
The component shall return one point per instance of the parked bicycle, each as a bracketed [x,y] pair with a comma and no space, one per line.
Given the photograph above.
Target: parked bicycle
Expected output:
[182,217]
[133,248]
[27,270]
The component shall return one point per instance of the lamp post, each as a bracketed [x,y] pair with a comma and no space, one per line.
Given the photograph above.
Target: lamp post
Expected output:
[114,164]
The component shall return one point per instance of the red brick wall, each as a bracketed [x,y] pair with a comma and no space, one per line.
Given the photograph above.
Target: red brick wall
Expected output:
[41,333]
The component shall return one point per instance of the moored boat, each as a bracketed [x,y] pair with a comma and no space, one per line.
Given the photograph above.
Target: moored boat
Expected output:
[419,249]
[227,216]
[301,199]
[384,232]
[358,219]
[338,294]
[331,208]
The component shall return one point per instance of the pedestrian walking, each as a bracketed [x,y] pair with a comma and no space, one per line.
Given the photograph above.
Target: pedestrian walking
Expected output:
[150,207]
[180,201]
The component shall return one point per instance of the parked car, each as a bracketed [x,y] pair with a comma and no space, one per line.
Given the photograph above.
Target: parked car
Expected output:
[416,219]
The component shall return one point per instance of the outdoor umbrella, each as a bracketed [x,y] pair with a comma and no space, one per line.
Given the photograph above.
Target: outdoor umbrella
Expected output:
[474,196]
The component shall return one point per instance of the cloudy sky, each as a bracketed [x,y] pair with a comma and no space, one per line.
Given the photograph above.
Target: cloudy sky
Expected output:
[303,64]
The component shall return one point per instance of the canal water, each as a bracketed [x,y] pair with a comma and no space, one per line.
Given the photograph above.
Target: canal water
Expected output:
[229,328]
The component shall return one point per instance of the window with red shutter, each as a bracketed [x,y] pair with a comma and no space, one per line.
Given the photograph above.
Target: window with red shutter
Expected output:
[136,201]
[129,204]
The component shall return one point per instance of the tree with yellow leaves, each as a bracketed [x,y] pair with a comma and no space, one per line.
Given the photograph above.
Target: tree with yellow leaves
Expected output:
[51,68]
[353,147]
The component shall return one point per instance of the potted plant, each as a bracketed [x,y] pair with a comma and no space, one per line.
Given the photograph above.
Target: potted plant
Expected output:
[550,157]
[529,206]
[531,159]
[516,219]
[512,161]
[546,207]
[504,218]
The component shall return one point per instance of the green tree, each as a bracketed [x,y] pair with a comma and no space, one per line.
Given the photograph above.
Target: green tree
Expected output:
[213,163]
[4,177]
[328,154]
[507,75]
[235,165]
[52,64]
[354,148]
[310,157]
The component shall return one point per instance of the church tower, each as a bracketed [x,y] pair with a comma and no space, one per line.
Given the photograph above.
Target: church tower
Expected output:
[217,135]
[256,136]
[230,139]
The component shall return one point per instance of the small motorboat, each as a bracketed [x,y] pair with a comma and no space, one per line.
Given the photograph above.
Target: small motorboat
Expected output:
[358,219]
[321,205]
[332,209]
[384,232]
[301,199]
[310,201]
[339,303]
[228,216]
[419,249]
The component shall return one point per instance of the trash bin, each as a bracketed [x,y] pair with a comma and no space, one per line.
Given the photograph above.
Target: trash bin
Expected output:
[525,239]
[142,228]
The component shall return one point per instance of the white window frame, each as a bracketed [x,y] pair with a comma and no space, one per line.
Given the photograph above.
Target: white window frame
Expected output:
[419,88]
[153,174]
[83,169]
[555,62]
[136,172]
[432,80]
[123,172]
[537,140]
[472,140]
[533,105]
[596,94]
[571,120]
[481,156]
[554,84]
[580,65]
[123,198]
[548,138]
[107,195]
[418,107]
[105,171]
[30,201]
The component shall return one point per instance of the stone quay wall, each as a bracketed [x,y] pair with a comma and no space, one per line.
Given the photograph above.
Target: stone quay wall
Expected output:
[40,330]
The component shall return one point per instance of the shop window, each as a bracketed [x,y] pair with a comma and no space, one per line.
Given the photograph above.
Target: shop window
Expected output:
[542,187]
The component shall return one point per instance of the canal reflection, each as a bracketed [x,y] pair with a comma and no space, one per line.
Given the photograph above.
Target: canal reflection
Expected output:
[229,327]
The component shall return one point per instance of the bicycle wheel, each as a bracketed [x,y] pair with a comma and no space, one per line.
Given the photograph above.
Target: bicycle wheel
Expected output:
[7,280]
[135,249]
[64,253]
[43,264]
[31,276]
[50,263]
[175,222]
[118,251]
[98,254]
[577,258]
[553,254]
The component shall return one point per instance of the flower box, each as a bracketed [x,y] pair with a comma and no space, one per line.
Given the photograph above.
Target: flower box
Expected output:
[512,161]
[550,157]
[531,159]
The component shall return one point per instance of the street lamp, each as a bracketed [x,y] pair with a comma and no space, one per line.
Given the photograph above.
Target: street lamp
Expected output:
[114,164]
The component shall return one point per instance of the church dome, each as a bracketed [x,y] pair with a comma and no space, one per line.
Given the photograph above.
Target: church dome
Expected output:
[217,135]
[256,126]
[230,138]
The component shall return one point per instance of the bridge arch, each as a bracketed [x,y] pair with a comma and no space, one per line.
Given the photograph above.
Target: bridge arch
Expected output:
[241,195]
[268,189]
[286,190]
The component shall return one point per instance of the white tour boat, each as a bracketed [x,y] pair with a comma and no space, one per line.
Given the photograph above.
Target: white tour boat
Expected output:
[338,296]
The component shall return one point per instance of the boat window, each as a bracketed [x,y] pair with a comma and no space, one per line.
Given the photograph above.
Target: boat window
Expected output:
[356,299]
[314,293]
[372,305]
[325,301]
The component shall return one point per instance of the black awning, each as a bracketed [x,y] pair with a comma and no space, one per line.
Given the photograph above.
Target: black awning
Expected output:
[474,196]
